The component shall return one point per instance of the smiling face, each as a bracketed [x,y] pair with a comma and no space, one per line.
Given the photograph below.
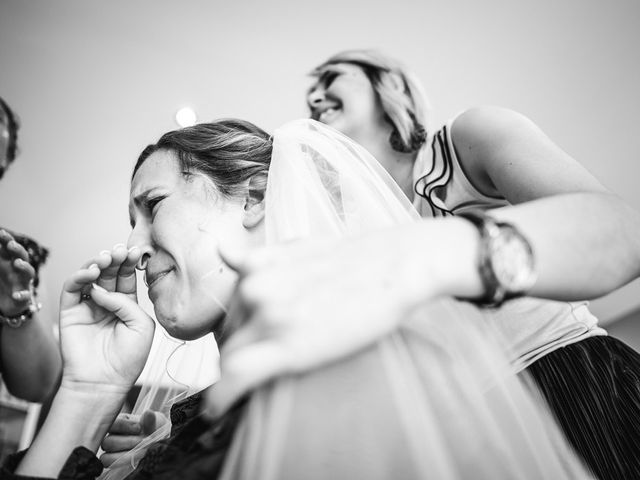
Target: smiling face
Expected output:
[344,98]
[178,221]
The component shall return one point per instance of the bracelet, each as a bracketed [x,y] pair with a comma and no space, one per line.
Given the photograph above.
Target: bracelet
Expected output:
[17,320]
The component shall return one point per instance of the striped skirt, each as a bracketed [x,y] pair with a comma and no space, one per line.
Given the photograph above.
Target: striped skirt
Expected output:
[593,388]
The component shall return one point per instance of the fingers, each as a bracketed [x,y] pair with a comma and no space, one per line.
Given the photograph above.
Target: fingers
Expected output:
[126,424]
[5,237]
[108,276]
[16,250]
[127,432]
[21,296]
[20,280]
[126,281]
[10,248]
[151,421]
[24,268]
[117,266]
[124,307]
[76,283]
[120,443]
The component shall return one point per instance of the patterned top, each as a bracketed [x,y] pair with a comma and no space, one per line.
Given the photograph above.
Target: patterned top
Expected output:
[530,327]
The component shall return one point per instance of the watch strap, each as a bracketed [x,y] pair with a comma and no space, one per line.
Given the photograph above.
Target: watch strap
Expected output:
[490,229]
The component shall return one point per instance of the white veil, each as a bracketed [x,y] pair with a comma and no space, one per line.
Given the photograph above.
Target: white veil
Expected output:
[435,399]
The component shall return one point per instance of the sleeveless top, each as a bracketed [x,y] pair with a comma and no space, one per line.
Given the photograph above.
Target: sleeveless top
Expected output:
[530,327]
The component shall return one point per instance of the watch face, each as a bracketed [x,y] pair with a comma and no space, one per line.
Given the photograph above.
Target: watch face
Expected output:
[512,260]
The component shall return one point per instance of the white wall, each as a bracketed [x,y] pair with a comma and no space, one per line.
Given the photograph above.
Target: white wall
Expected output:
[96,81]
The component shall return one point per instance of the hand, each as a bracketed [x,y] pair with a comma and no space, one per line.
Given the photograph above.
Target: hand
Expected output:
[127,432]
[304,305]
[105,338]
[16,276]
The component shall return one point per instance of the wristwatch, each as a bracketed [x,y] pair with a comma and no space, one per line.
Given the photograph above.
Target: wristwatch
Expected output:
[506,262]
[17,320]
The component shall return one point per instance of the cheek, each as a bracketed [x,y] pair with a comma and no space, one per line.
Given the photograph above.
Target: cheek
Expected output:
[213,287]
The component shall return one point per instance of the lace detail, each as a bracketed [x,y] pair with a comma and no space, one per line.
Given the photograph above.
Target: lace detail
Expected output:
[183,411]
[82,464]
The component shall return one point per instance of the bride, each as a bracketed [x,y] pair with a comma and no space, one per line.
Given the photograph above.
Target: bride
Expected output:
[434,398]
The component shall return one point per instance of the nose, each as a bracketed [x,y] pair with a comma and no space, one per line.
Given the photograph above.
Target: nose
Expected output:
[140,237]
[315,96]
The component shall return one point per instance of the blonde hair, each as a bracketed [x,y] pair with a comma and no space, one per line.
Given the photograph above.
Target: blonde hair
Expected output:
[400,93]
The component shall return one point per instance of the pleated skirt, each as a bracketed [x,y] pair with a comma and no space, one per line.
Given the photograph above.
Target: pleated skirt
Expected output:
[593,388]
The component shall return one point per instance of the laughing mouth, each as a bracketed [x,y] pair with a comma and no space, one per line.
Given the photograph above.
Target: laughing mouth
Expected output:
[325,112]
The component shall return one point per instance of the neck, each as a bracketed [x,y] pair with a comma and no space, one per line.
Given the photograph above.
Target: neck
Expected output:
[398,165]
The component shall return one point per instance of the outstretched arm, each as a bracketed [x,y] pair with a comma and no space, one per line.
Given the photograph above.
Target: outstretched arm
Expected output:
[309,304]
[29,354]
[586,240]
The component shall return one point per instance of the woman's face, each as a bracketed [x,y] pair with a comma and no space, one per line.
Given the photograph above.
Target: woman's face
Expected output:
[178,223]
[344,98]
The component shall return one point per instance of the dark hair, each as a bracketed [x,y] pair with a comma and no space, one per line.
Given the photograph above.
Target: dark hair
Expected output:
[228,151]
[400,93]
[12,126]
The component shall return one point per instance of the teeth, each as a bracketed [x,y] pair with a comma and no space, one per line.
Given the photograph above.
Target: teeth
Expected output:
[327,112]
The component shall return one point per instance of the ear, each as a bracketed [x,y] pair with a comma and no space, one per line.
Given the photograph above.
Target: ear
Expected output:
[254,201]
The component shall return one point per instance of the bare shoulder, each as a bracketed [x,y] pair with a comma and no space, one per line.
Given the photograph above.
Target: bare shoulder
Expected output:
[486,126]
[507,154]
[478,135]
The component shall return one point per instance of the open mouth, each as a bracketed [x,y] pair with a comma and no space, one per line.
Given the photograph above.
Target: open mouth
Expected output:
[328,114]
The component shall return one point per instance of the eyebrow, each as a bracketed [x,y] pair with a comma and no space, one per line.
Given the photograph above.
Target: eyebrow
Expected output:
[137,201]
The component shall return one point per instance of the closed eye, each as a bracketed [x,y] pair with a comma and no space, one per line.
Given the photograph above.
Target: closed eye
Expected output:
[327,78]
[150,203]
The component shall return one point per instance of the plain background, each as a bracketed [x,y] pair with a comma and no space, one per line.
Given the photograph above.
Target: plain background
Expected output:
[94,82]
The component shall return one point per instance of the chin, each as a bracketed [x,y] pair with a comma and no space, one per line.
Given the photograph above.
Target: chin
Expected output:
[189,329]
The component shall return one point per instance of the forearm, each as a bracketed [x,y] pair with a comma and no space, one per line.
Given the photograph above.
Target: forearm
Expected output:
[78,418]
[586,244]
[31,359]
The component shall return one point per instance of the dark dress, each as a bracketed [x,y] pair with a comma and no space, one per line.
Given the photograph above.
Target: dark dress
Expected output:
[194,450]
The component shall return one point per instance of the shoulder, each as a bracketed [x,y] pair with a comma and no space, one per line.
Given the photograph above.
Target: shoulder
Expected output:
[507,154]
[487,126]
[480,136]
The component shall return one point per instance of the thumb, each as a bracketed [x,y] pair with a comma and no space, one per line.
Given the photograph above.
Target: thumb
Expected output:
[121,305]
